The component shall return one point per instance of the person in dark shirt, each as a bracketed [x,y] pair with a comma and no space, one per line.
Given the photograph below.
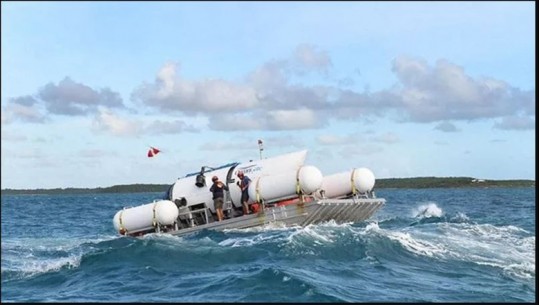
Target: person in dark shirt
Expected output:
[218,189]
[244,186]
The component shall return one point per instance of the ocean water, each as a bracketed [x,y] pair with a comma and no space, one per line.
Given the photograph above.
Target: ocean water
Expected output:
[424,245]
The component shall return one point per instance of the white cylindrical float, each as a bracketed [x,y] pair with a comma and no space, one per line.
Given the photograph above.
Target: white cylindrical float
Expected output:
[363,179]
[306,179]
[360,180]
[143,217]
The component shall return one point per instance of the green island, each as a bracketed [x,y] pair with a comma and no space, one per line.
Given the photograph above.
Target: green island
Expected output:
[417,183]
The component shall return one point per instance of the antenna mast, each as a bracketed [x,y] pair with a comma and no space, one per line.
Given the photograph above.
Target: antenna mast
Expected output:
[260,148]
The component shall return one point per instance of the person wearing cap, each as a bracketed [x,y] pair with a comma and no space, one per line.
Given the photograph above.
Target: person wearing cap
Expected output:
[244,186]
[217,190]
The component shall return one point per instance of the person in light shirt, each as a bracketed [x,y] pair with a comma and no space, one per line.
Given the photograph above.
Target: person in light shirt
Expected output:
[244,186]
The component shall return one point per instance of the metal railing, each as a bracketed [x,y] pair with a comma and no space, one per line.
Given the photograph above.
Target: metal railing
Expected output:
[190,216]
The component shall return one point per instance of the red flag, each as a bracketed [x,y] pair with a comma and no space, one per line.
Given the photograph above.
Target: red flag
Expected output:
[153,151]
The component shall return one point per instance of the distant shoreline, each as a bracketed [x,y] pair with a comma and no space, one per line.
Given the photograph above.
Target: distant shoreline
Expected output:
[417,182]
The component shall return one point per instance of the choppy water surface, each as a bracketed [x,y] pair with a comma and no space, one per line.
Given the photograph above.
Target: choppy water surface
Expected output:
[433,245]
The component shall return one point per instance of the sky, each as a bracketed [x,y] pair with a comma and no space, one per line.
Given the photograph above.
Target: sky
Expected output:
[406,89]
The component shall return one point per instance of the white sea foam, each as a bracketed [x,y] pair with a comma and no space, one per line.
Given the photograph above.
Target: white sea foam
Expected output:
[51,244]
[32,267]
[311,232]
[460,217]
[509,248]
[499,246]
[273,226]
[417,246]
[162,236]
[504,247]
[372,226]
[427,210]
[248,241]
[318,233]
[28,256]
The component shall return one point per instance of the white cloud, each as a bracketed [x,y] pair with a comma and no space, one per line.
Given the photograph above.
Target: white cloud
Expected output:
[446,127]
[173,127]
[236,121]
[292,119]
[264,101]
[26,100]
[388,138]
[95,153]
[446,92]
[270,120]
[22,112]
[516,123]
[349,153]
[66,98]
[106,121]
[109,122]
[309,57]
[13,137]
[218,146]
[72,98]
[170,92]
[5,119]
[267,99]
[270,77]
[331,139]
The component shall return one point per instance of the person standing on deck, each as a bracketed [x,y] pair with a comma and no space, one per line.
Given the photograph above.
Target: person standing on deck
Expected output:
[218,189]
[244,186]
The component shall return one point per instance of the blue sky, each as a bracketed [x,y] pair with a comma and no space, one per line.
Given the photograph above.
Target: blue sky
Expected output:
[406,89]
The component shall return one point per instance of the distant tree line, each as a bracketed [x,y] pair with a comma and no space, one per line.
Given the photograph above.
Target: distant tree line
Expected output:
[128,188]
[434,182]
[418,182]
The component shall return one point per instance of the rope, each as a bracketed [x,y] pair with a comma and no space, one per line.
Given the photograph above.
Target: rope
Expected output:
[257,189]
[122,228]
[298,188]
[354,190]
[154,222]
